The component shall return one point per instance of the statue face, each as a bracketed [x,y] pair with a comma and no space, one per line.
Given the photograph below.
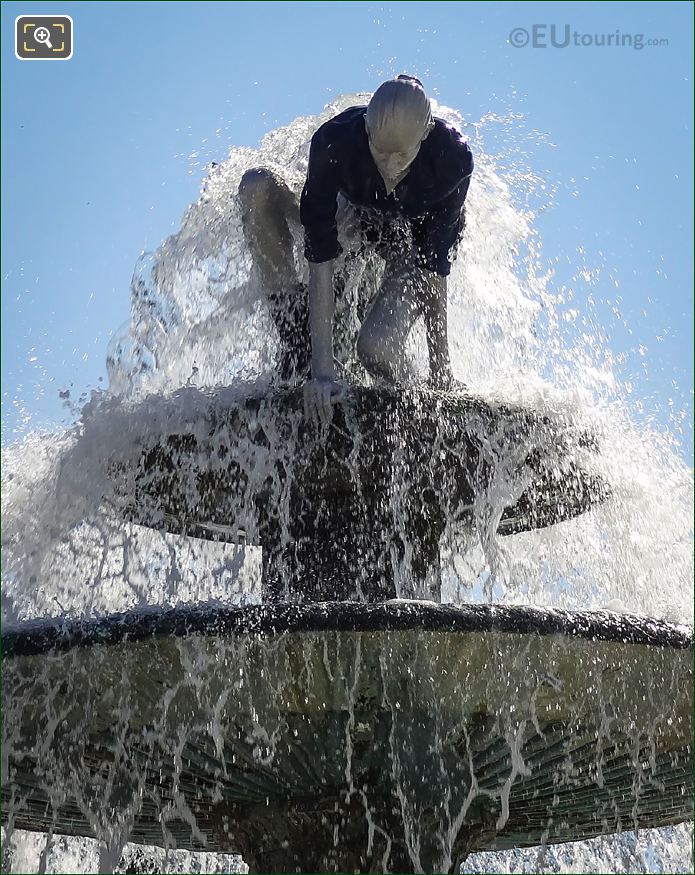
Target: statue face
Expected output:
[394,147]
[393,164]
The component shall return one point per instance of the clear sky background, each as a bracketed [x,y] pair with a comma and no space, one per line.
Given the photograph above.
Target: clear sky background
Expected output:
[101,154]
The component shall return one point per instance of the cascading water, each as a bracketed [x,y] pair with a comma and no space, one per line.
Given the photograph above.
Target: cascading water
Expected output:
[198,321]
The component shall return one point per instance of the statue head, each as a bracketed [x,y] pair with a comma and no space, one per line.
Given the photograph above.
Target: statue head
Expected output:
[398,119]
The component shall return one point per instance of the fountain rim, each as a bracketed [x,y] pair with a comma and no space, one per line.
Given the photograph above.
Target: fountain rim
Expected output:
[55,635]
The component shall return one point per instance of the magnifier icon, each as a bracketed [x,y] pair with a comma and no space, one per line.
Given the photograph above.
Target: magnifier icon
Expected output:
[43,35]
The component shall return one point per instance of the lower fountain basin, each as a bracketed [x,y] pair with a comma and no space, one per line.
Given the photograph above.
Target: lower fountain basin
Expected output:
[398,736]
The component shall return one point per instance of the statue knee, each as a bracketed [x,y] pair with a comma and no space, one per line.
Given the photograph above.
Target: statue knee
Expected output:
[256,186]
[373,352]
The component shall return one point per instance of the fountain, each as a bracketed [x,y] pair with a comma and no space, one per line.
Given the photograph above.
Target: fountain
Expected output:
[341,726]
[356,719]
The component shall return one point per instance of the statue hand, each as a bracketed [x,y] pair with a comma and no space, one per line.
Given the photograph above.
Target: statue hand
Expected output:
[320,394]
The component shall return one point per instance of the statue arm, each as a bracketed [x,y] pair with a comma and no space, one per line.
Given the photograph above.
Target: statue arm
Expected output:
[318,201]
[435,315]
[436,237]
[321,307]
[317,210]
[323,390]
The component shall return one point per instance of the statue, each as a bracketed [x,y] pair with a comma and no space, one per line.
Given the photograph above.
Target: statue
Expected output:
[398,178]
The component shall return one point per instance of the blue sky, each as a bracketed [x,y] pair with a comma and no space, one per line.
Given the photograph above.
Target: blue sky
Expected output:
[97,154]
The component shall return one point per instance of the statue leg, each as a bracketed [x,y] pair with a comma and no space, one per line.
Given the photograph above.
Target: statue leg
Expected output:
[396,308]
[268,206]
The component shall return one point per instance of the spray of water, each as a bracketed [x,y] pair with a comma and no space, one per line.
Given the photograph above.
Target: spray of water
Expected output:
[199,321]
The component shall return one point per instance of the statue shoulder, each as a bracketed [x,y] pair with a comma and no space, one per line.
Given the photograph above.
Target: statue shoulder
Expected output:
[450,143]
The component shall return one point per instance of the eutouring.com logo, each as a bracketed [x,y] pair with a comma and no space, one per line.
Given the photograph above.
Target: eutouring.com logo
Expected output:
[563,36]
